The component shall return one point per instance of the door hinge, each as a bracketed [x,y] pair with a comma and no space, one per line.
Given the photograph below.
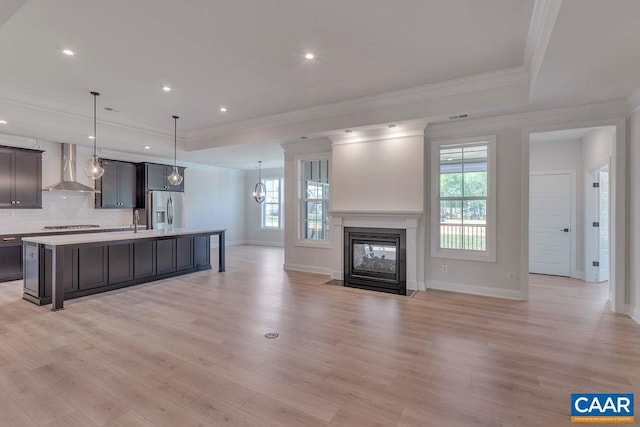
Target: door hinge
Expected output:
[596,264]
[596,224]
[596,185]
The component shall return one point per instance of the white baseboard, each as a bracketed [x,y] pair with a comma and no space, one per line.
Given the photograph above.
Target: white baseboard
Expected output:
[475,290]
[307,269]
[422,286]
[337,275]
[214,242]
[263,243]
[578,275]
[634,313]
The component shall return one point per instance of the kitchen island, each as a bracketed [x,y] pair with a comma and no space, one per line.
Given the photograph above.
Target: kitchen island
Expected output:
[70,266]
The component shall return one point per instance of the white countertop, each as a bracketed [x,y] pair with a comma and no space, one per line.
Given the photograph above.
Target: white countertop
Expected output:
[75,239]
[41,230]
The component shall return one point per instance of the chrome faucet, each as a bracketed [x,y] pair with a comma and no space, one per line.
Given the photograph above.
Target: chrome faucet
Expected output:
[136,220]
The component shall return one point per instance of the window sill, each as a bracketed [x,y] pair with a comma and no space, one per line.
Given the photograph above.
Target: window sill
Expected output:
[271,229]
[464,255]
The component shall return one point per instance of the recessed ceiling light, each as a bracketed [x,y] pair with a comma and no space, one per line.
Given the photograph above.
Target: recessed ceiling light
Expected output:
[166,88]
[348,131]
[223,109]
[3,122]
[146,147]
[303,137]
[392,126]
[68,52]
[309,55]
[91,137]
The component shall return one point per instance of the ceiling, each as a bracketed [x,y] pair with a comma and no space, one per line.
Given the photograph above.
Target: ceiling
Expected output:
[376,62]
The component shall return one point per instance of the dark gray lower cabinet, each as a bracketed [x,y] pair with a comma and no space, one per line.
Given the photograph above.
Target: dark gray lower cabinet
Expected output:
[184,253]
[92,267]
[201,251]
[165,256]
[144,259]
[120,263]
[10,260]
[98,268]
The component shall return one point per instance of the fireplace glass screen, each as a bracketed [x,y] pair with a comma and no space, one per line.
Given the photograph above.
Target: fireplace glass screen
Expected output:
[374,257]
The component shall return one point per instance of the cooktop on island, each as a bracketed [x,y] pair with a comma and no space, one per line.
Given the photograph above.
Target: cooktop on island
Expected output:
[70,227]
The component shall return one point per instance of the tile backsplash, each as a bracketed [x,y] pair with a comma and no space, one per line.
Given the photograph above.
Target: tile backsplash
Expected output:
[62,209]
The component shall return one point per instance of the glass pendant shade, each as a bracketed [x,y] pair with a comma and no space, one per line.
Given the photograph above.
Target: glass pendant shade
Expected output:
[175,178]
[93,169]
[259,192]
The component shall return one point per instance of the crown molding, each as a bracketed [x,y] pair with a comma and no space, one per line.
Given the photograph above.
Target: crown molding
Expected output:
[634,101]
[550,116]
[378,134]
[42,104]
[459,86]
[543,20]
[316,145]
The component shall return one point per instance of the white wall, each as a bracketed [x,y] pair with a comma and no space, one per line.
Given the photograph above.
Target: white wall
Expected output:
[597,148]
[379,174]
[634,217]
[58,208]
[565,155]
[302,255]
[500,278]
[215,198]
[254,234]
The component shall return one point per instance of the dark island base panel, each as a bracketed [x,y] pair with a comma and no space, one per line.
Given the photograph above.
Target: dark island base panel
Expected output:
[102,267]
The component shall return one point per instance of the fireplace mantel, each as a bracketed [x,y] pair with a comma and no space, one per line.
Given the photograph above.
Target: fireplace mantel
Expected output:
[372,213]
[382,218]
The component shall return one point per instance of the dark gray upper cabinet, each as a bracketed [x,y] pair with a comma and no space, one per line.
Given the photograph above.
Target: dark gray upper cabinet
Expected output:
[117,186]
[20,178]
[156,177]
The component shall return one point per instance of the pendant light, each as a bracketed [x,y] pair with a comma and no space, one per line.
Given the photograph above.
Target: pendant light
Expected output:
[259,191]
[175,178]
[94,170]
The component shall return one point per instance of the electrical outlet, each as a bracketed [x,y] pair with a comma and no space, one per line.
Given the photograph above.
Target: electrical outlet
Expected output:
[444,268]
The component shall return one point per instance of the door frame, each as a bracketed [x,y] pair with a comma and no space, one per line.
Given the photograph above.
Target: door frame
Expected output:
[618,204]
[592,244]
[572,215]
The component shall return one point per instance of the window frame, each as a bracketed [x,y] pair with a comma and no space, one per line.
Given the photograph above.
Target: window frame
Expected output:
[489,255]
[280,205]
[301,240]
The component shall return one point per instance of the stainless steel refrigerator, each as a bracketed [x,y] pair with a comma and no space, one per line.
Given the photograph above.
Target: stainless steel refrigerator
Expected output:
[165,210]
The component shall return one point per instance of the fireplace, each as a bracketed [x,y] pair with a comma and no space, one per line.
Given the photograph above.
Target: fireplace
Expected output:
[375,259]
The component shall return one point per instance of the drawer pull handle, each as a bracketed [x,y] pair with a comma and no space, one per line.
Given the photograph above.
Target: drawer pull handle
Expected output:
[8,239]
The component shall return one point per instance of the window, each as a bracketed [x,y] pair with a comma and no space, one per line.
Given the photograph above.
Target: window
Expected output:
[272,207]
[315,199]
[464,205]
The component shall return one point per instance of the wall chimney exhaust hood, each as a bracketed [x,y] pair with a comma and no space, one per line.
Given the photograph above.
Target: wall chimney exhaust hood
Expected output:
[68,173]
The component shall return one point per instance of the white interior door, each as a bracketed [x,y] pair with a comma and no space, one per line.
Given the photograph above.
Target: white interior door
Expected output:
[550,224]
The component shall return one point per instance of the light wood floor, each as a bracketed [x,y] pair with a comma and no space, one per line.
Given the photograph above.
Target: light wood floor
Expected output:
[191,351]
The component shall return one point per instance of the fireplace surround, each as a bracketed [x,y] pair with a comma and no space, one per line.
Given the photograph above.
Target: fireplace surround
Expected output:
[375,259]
[407,220]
